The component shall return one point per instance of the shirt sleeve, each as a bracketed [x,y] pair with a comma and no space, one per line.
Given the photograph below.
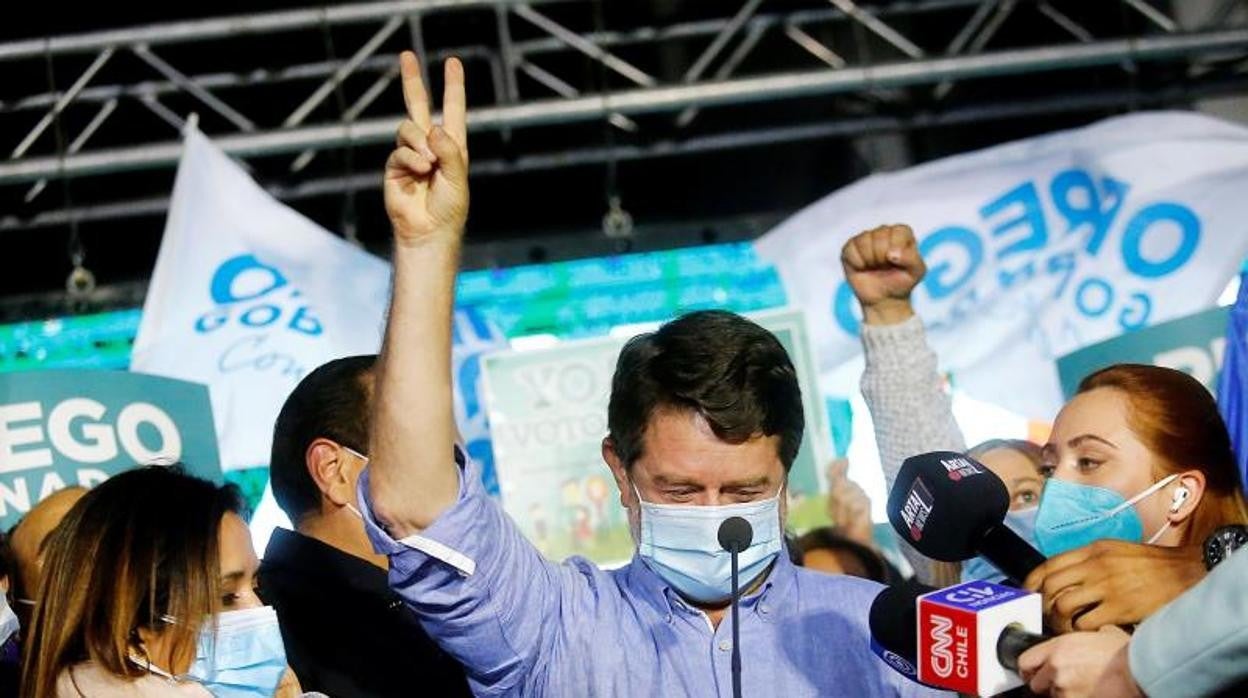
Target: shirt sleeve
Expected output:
[1198,644]
[482,591]
[911,411]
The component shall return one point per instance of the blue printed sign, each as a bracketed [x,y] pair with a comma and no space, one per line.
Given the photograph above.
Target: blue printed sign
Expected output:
[1194,344]
[60,428]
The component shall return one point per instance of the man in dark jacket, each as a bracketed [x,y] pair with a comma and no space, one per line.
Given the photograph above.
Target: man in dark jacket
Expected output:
[346,633]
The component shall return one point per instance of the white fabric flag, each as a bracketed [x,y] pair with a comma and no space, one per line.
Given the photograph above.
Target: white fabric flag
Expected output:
[1035,248]
[248,296]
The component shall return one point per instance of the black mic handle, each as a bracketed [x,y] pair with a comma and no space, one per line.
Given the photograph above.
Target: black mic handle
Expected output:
[736,628]
[1013,642]
[1009,552]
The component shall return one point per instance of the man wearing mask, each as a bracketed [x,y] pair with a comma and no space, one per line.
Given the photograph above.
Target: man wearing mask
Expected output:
[704,421]
[346,633]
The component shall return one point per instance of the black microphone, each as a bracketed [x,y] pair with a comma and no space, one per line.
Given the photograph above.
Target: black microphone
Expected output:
[894,622]
[1014,640]
[951,508]
[735,535]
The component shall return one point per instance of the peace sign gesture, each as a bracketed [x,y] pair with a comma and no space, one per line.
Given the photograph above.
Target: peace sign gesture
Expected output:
[426,183]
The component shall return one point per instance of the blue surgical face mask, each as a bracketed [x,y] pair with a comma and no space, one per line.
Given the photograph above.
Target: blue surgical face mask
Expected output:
[1022,522]
[244,658]
[9,627]
[681,544]
[1073,515]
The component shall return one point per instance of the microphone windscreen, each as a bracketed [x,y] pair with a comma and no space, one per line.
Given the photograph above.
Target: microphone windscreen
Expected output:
[943,503]
[735,533]
[894,618]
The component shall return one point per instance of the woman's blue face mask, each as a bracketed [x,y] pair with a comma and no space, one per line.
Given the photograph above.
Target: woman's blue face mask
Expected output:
[1073,515]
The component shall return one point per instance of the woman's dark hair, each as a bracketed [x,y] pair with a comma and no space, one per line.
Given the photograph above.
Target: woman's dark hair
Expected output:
[718,364]
[141,547]
[828,538]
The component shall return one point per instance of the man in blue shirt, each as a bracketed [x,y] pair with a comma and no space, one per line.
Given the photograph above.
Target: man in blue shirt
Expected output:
[704,421]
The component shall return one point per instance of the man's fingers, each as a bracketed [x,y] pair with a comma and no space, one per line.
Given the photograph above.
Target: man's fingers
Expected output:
[1032,660]
[851,259]
[866,249]
[455,103]
[1065,577]
[451,160]
[1042,682]
[411,136]
[881,242]
[409,161]
[1035,580]
[1067,568]
[1098,618]
[900,237]
[415,96]
[903,250]
[1070,604]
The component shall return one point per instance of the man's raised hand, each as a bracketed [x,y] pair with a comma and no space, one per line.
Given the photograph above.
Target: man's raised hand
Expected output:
[426,181]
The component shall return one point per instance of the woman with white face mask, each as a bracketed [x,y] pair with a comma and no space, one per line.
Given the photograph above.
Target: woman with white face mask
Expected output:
[149,590]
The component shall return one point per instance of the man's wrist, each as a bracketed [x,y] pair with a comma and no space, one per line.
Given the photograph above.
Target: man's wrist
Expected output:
[887,312]
[447,240]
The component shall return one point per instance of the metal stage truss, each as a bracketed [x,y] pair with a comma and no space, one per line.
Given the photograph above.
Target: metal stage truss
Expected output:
[565,83]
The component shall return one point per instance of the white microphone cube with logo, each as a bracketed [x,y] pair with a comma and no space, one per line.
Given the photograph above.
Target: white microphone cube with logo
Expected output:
[958,632]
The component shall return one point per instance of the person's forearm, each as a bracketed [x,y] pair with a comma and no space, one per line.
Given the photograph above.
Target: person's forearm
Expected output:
[909,409]
[887,312]
[413,473]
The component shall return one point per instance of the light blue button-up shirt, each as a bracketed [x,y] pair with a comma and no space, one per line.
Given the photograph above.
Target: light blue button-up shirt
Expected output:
[523,625]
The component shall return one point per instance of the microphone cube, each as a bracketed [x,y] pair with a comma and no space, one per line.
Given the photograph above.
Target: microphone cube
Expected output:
[958,631]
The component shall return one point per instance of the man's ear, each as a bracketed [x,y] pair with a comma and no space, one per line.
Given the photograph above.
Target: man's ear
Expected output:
[326,467]
[1181,507]
[618,471]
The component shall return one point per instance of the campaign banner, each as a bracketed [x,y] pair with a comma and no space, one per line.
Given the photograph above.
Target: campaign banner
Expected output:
[80,427]
[548,416]
[1195,344]
[248,296]
[1035,248]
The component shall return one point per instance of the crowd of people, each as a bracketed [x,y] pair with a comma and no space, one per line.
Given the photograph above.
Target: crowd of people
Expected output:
[402,576]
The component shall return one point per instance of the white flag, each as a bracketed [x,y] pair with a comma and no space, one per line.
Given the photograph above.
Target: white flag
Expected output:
[1036,248]
[247,297]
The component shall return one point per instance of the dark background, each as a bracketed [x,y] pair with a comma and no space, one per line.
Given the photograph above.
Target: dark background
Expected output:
[551,213]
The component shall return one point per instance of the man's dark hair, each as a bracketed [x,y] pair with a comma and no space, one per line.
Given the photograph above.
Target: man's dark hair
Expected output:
[718,364]
[331,402]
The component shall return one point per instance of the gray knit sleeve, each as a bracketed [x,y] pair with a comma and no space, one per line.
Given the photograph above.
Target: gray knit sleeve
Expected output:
[909,407]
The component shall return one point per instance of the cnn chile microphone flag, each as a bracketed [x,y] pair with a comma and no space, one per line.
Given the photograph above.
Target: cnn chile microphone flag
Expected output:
[1233,385]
